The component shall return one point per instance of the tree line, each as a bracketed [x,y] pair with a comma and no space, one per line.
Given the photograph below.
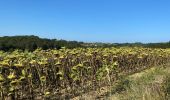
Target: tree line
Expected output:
[33,42]
[9,43]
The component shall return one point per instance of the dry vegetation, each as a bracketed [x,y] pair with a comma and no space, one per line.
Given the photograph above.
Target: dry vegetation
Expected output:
[68,73]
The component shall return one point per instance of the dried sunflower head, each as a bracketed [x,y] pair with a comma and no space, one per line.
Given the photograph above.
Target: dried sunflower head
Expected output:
[11,76]
[1,78]
[43,78]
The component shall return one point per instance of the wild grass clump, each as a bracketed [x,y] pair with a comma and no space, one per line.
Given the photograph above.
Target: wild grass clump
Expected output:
[166,87]
[152,84]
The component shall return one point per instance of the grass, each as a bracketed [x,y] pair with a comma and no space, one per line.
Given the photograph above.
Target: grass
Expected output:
[151,84]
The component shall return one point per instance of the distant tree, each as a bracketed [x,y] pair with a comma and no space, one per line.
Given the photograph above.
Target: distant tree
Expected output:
[33,42]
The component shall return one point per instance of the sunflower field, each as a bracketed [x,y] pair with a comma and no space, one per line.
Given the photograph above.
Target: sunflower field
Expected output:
[66,73]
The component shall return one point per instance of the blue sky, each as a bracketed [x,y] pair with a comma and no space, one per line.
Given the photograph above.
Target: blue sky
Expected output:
[88,20]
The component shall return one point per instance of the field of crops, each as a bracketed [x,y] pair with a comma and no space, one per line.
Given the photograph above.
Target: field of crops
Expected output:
[66,73]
